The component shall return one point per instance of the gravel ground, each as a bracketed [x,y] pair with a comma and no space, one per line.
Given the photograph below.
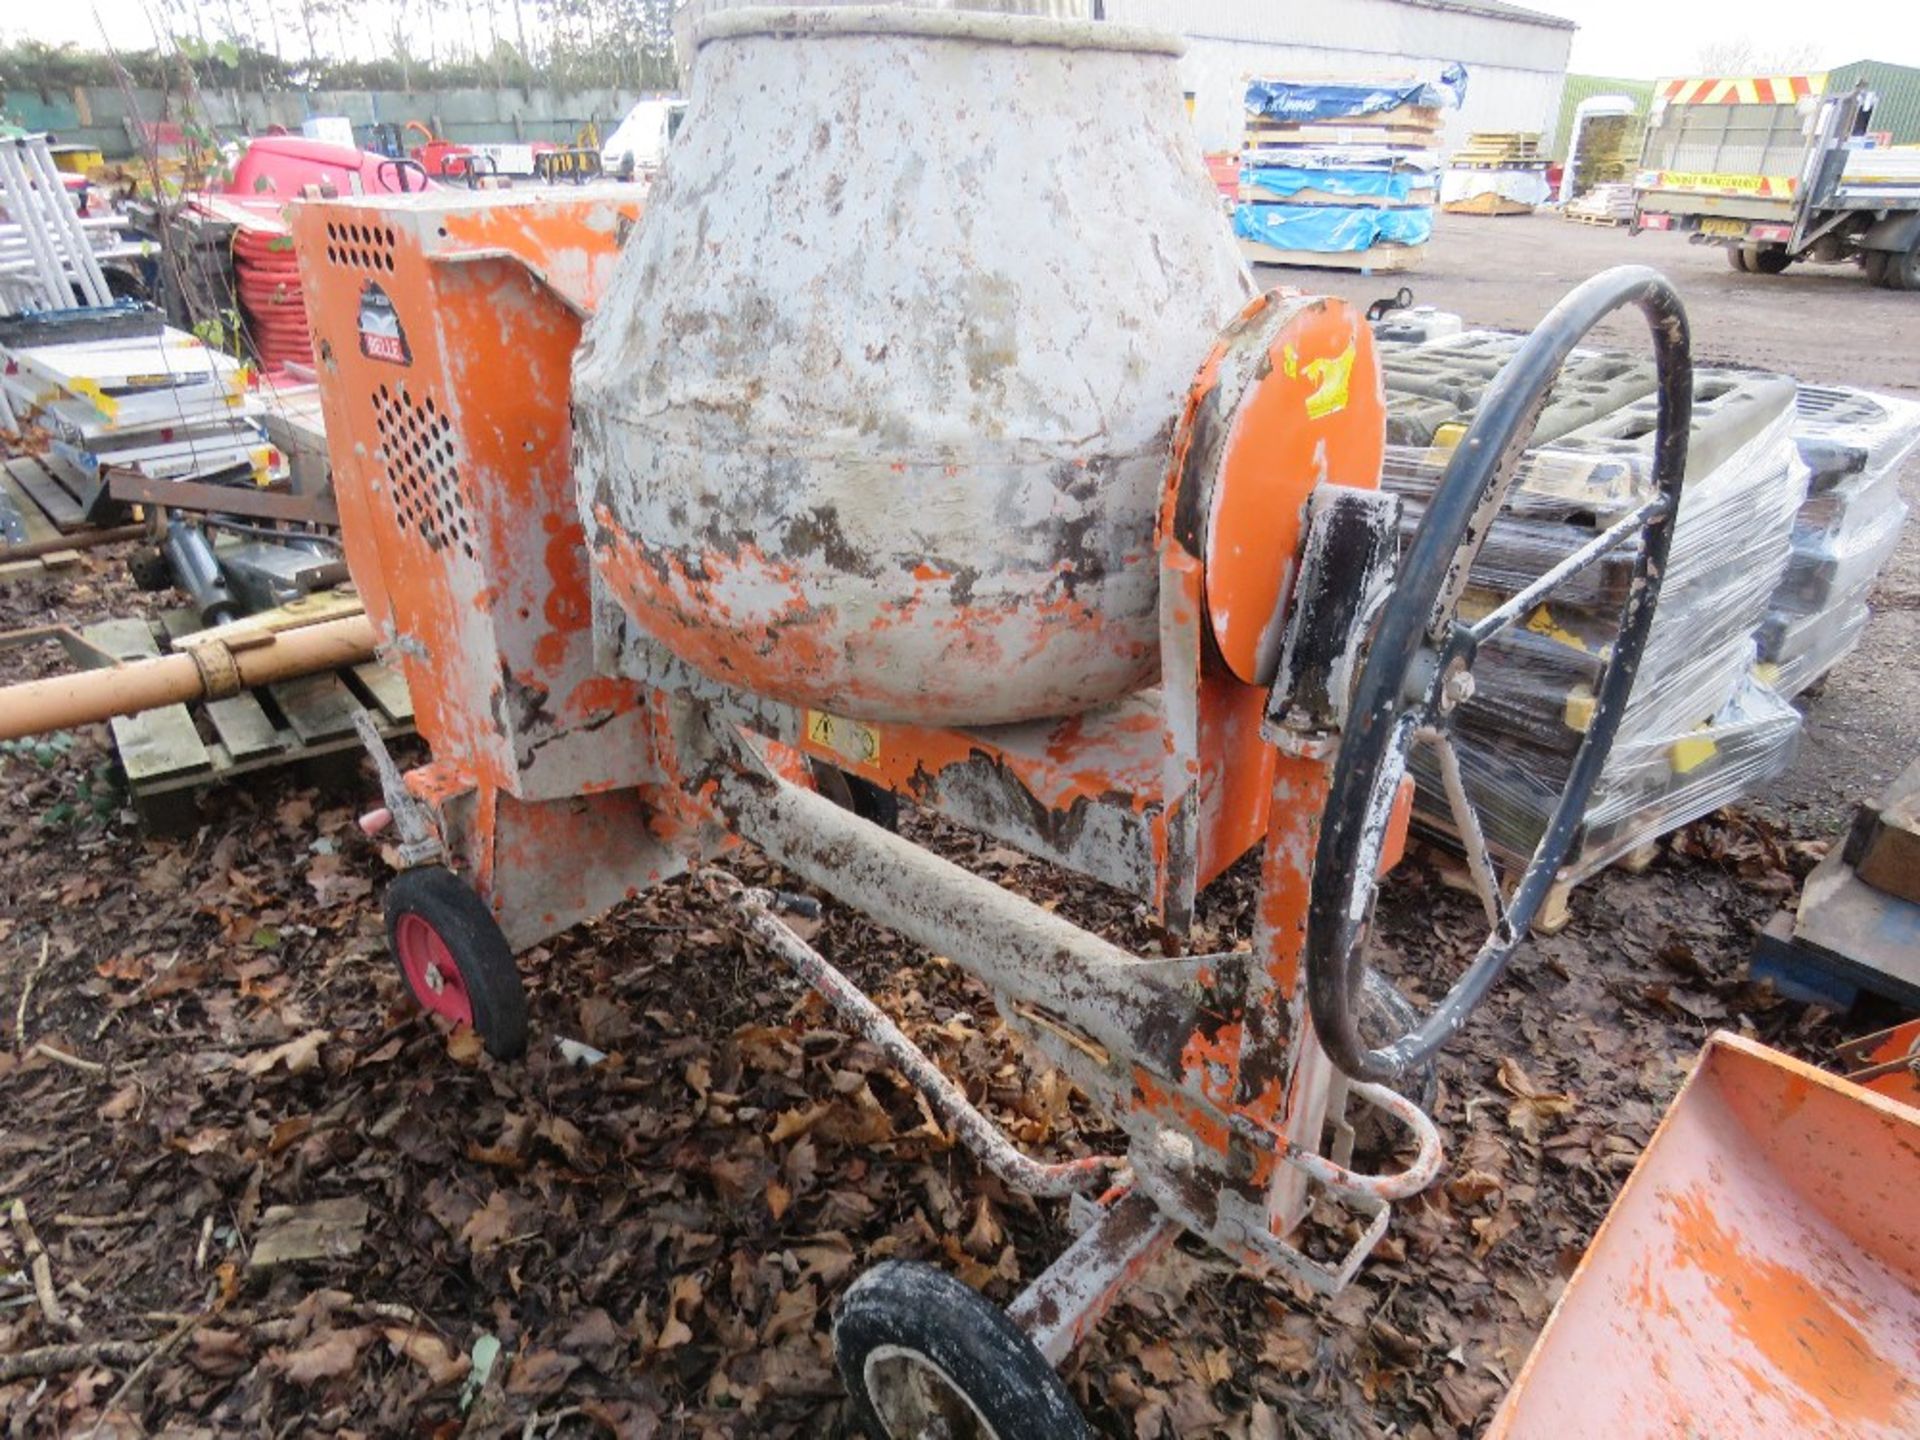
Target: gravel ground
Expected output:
[1818,323]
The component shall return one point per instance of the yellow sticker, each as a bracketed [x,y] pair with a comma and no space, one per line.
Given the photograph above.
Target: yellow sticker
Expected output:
[1542,623]
[1580,706]
[1332,380]
[1691,752]
[849,737]
[1714,180]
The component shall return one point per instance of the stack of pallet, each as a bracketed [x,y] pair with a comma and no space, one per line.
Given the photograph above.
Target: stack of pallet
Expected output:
[1499,172]
[1854,445]
[1607,152]
[1610,204]
[116,389]
[1340,172]
[1702,727]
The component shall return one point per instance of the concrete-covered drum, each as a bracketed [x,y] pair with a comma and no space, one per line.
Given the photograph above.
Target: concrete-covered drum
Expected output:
[874,416]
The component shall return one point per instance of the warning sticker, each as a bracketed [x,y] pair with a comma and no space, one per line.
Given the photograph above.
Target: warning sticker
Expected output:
[850,738]
[381,335]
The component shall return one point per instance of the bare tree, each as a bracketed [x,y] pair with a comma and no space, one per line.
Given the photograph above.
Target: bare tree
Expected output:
[1742,57]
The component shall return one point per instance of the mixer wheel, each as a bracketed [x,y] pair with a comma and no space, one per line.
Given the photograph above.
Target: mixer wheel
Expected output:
[455,959]
[923,1354]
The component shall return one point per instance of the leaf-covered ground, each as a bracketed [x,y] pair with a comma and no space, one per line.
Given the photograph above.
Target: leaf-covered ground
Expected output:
[653,1245]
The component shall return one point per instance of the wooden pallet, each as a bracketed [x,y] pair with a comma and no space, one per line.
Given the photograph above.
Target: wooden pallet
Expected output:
[23,482]
[1556,911]
[1605,221]
[1328,133]
[172,753]
[1419,199]
[1487,202]
[1380,260]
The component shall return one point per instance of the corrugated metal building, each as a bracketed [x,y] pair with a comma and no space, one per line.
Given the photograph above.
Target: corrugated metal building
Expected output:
[1516,59]
[1898,87]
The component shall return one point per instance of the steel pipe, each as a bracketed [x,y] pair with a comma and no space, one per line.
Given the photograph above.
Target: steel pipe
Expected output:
[79,540]
[974,1130]
[1015,947]
[63,701]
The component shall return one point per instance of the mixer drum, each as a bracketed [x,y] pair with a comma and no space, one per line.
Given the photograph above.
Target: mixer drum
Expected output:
[874,416]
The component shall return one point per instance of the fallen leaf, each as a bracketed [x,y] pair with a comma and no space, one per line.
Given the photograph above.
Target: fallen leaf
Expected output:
[298,1055]
[540,1372]
[464,1045]
[327,1356]
[430,1353]
[791,1123]
[489,1226]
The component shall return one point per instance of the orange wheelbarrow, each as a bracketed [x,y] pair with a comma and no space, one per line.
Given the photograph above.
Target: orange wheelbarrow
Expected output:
[1758,1277]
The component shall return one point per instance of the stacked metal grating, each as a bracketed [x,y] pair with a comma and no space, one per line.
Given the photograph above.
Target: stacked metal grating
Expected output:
[1340,171]
[1765,586]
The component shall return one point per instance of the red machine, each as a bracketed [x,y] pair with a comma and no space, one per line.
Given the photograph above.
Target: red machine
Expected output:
[620,675]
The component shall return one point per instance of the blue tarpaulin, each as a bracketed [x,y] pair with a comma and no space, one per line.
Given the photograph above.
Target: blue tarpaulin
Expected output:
[1331,228]
[1371,184]
[1284,100]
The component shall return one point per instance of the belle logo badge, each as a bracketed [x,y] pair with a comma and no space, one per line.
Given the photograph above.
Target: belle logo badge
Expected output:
[381,337]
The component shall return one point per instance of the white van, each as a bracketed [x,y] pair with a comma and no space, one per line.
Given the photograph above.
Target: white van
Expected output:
[639,144]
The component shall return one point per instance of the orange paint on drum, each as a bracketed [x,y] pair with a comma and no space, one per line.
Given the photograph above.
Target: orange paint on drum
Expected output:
[1313,412]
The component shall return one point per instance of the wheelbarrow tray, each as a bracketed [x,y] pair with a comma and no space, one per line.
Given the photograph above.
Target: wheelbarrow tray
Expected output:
[1759,1274]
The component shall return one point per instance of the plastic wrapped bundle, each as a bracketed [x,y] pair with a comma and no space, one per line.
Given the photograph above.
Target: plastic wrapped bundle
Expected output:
[1843,432]
[1729,551]
[1855,445]
[1653,783]
[1456,370]
[1330,229]
[1795,651]
[1535,682]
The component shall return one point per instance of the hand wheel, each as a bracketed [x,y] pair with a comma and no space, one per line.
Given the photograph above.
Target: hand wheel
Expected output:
[1419,671]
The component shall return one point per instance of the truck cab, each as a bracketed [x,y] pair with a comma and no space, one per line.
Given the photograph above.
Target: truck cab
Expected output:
[1774,169]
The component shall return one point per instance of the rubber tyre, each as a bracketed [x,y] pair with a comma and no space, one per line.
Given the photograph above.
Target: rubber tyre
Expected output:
[479,951]
[1903,269]
[925,1312]
[1875,262]
[1737,258]
[1769,259]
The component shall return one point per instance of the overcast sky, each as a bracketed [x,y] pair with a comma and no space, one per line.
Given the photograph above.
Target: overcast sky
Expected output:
[1631,38]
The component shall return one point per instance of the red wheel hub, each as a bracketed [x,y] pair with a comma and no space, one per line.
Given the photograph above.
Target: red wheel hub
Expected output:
[434,978]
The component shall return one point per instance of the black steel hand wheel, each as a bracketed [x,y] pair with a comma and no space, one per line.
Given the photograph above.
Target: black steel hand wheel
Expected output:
[1419,671]
[925,1357]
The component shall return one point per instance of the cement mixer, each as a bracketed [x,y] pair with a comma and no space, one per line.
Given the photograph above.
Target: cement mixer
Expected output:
[925,441]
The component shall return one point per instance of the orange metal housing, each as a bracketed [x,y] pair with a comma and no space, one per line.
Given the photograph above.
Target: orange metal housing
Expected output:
[444,329]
